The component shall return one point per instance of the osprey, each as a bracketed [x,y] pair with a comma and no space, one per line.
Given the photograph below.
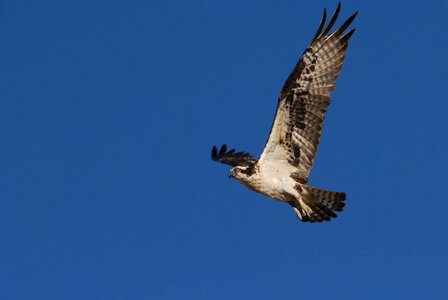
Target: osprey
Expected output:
[282,170]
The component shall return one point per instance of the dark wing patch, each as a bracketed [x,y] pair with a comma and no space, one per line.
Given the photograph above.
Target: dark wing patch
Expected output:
[231,157]
[314,51]
[305,97]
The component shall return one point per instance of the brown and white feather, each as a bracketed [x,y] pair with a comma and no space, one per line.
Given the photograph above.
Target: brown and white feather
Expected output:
[284,166]
[304,99]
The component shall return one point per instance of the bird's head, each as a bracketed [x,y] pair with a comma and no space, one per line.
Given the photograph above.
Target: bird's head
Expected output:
[240,173]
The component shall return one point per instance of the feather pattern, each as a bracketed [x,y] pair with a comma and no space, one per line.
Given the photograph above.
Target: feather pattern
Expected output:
[305,97]
[284,166]
[232,158]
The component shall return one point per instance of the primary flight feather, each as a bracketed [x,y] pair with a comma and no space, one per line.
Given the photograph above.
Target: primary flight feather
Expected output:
[281,172]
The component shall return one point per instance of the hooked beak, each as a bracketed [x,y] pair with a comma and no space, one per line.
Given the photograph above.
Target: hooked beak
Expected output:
[231,174]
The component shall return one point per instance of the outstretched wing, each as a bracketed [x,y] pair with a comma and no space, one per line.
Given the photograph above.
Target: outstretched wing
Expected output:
[305,97]
[232,158]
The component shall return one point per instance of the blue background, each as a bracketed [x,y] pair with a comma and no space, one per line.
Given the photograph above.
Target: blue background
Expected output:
[109,109]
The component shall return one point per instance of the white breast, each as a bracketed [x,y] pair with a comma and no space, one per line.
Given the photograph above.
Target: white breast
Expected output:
[274,181]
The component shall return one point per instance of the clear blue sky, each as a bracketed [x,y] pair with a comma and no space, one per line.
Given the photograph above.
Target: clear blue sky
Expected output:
[109,109]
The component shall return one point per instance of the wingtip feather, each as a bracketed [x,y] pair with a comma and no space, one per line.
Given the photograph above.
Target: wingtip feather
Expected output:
[321,25]
[223,150]
[332,20]
[347,23]
[348,35]
[214,152]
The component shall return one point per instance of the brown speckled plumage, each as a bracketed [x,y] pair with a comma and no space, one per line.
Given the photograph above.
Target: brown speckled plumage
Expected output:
[283,168]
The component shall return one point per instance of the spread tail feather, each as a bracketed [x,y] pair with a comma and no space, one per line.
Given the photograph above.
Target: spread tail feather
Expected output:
[317,205]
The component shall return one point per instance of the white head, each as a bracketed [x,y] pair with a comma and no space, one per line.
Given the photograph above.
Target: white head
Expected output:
[241,173]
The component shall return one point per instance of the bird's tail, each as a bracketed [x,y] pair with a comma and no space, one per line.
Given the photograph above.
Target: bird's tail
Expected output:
[317,205]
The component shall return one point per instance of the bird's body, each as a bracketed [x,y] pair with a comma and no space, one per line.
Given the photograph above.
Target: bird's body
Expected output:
[282,171]
[272,180]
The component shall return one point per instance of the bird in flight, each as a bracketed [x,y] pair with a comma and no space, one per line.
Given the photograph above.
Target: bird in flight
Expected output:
[281,172]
